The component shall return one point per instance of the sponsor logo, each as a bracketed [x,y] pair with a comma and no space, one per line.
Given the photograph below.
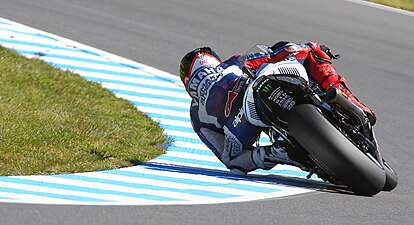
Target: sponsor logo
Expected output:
[259,84]
[231,95]
[267,88]
[282,99]
[238,118]
[212,74]
[233,146]
[203,61]
[204,89]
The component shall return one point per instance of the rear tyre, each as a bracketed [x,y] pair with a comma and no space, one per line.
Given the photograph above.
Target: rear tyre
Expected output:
[334,152]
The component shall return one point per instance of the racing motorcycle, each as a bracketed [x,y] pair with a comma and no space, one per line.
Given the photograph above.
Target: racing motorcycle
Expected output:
[328,134]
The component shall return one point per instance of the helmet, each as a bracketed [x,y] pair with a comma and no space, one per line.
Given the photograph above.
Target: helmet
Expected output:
[195,59]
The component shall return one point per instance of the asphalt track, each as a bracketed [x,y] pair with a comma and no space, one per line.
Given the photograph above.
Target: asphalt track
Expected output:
[377,53]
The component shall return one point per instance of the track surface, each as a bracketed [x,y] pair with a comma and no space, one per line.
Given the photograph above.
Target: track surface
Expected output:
[377,54]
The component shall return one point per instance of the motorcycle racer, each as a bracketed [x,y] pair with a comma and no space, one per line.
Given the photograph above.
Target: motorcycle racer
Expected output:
[223,112]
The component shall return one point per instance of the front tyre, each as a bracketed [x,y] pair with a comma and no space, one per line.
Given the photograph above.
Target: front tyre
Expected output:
[391,178]
[334,152]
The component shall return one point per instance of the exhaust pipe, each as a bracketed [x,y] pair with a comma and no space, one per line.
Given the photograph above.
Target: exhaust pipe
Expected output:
[335,96]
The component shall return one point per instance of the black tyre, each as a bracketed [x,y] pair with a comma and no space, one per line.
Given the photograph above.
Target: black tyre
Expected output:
[391,178]
[334,152]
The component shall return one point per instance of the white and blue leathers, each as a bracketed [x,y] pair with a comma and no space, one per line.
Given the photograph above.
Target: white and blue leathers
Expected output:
[224,116]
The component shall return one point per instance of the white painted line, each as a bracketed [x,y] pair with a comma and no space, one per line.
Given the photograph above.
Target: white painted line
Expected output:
[111,187]
[152,100]
[187,155]
[48,190]
[146,90]
[382,7]
[193,145]
[181,134]
[27,198]
[176,123]
[166,112]
[167,184]
[135,80]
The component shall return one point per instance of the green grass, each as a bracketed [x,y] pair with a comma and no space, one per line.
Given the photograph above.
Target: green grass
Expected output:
[401,4]
[53,121]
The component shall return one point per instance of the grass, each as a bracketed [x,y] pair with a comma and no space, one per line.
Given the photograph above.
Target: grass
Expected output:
[53,121]
[401,4]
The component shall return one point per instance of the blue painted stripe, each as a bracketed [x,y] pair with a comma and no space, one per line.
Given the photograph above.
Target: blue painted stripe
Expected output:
[186,139]
[174,148]
[96,190]
[148,186]
[224,174]
[82,59]
[4,198]
[16,31]
[187,181]
[209,153]
[76,59]
[49,195]
[220,165]
[119,73]
[283,172]
[138,85]
[30,34]
[170,117]
[177,128]
[192,161]
[157,106]
[37,44]
[189,139]
[152,95]
[265,140]
[140,94]
[45,36]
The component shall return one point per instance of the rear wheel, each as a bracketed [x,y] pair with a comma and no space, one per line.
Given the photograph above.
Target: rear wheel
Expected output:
[334,153]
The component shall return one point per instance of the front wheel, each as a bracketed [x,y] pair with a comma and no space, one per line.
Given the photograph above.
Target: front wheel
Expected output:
[334,153]
[391,178]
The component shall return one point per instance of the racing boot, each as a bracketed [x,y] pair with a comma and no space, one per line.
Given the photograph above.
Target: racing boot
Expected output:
[263,157]
[242,164]
[323,72]
[267,157]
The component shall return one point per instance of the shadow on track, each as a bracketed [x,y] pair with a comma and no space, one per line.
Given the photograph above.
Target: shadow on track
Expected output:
[274,179]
